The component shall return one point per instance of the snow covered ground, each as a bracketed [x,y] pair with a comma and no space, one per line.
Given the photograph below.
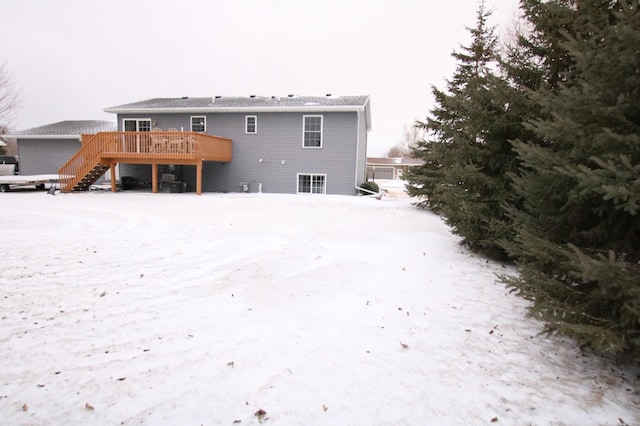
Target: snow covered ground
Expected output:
[138,308]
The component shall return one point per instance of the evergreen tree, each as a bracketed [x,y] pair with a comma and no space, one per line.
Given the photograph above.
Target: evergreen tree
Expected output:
[578,229]
[467,153]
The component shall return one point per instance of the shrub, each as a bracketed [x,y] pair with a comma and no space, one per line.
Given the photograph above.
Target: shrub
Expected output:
[371,186]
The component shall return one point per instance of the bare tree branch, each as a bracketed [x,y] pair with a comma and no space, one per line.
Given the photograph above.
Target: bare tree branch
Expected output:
[8,96]
[410,136]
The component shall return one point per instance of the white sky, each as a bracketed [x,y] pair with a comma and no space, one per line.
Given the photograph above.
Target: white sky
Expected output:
[72,58]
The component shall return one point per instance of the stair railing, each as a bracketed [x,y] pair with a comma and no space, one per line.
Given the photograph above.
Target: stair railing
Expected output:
[83,161]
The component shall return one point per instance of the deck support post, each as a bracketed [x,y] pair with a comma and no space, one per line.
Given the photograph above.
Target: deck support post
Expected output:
[199,177]
[112,169]
[154,178]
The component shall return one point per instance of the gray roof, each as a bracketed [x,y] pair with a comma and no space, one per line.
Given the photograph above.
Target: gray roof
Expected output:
[70,129]
[248,104]
[225,103]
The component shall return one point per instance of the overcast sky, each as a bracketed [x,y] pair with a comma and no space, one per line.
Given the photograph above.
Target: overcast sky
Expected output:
[72,58]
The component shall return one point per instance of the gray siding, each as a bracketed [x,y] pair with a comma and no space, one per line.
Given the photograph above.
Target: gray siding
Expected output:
[274,156]
[361,165]
[45,156]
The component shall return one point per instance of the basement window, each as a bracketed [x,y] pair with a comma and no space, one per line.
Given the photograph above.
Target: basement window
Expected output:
[312,183]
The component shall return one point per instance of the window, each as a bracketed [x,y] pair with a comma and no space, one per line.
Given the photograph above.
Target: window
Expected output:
[312,184]
[198,124]
[312,134]
[136,124]
[251,124]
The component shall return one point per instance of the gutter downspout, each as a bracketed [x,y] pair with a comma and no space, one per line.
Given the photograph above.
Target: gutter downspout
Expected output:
[355,183]
[361,111]
[371,194]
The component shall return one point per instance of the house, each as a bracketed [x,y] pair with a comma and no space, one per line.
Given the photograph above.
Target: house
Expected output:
[289,144]
[44,149]
[390,168]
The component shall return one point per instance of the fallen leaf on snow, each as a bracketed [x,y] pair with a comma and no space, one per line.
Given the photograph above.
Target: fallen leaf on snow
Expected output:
[324,407]
[494,420]
[121,378]
[24,407]
[40,385]
[260,414]
[404,345]
[88,406]
[237,421]
[103,294]
[230,364]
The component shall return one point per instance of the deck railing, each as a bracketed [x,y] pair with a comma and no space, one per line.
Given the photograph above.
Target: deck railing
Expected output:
[185,145]
[104,147]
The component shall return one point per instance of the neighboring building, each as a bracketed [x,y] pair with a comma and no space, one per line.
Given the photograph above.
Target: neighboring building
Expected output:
[290,144]
[9,145]
[390,168]
[45,149]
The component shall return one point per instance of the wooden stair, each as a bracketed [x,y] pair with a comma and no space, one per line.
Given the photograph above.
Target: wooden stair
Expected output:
[85,167]
[90,178]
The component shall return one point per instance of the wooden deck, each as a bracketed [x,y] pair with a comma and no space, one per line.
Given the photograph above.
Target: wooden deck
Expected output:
[106,149]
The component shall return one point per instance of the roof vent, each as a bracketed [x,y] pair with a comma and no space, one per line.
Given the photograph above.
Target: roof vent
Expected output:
[328,94]
[185,97]
[218,96]
[290,96]
[252,96]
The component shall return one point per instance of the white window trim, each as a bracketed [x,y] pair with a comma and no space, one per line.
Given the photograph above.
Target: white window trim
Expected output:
[324,188]
[304,118]
[246,124]
[198,116]
[137,120]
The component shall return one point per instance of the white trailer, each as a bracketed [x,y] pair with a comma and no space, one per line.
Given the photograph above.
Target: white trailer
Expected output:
[8,180]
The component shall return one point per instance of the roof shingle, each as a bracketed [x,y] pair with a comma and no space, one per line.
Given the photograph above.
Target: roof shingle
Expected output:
[224,102]
[70,128]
